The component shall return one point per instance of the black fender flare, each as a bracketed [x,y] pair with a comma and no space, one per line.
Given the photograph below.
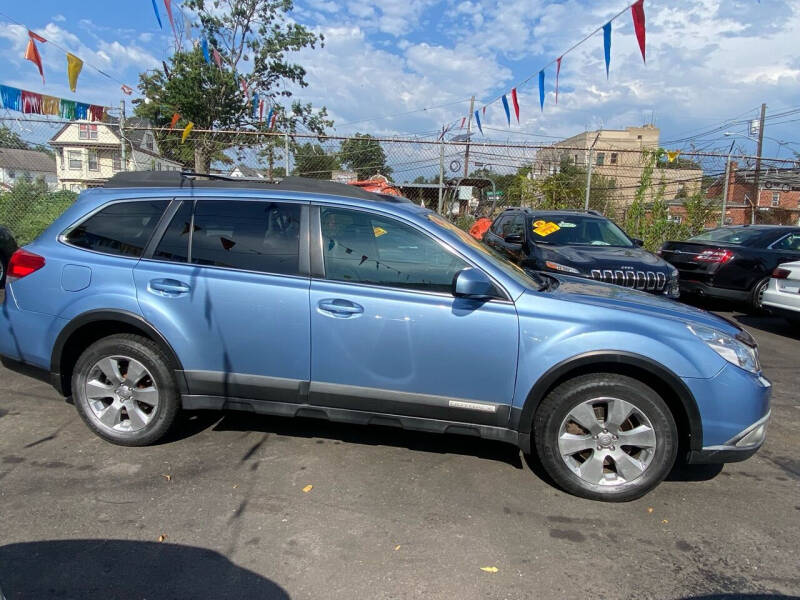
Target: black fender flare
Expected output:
[524,417]
[93,316]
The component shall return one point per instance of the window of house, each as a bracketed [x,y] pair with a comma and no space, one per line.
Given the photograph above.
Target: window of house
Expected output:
[75,159]
[11,174]
[249,235]
[147,141]
[776,198]
[613,158]
[576,159]
[638,137]
[362,247]
[116,161]
[601,159]
[92,160]
[88,132]
[122,228]
[75,187]
[158,166]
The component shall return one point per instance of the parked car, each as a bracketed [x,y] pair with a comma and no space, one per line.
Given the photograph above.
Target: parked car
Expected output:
[8,246]
[581,244]
[165,291]
[733,263]
[782,295]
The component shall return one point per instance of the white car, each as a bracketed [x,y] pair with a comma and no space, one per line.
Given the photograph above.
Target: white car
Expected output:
[782,295]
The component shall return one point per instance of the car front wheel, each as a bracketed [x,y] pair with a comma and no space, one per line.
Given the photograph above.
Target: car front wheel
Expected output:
[125,391]
[605,437]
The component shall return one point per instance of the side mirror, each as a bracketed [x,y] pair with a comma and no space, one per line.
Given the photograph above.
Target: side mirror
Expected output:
[472,283]
[637,242]
[514,238]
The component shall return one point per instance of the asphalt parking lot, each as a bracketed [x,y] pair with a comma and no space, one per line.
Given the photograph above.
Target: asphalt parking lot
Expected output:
[244,506]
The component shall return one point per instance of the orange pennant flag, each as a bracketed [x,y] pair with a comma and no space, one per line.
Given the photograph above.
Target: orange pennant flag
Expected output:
[174,120]
[186,131]
[32,52]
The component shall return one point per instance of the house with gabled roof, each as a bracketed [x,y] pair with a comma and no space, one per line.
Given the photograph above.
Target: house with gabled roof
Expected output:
[89,153]
[18,164]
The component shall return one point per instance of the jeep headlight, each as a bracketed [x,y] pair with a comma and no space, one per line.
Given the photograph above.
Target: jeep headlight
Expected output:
[736,351]
[558,267]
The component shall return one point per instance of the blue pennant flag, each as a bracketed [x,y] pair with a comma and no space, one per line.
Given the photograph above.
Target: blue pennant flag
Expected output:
[607,44]
[269,115]
[478,121]
[541,89]
[158,17]
[204,44]
[508,112]
[255,105]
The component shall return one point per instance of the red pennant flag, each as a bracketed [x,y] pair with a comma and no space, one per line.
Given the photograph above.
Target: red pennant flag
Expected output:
[217,57]
[261,110]
[484,111]
[32,52]
[126,89]
[272,122]
[515,102]
[168,6]
[174,120]
[463,120]
[637,12]
[558,70]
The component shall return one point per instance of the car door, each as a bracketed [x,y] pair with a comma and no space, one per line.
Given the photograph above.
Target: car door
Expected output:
[388,336]
[227,284]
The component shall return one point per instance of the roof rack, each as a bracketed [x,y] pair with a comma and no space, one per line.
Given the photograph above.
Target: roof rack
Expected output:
[191,179]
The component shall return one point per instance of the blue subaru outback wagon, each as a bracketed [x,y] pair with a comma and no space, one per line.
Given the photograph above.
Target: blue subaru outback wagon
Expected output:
[170,291]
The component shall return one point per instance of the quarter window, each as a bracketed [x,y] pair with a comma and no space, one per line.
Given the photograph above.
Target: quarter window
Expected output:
[366,248]
[122,228]
[250,235]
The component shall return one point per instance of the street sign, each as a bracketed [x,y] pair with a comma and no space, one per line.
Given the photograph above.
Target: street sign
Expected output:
[497,194]
[755,125]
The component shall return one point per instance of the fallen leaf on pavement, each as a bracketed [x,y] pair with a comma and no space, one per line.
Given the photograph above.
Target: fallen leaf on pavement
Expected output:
[490,569]
[162,537]
[308,488]
[397,547]
[167,477]
[649,509]
[664,521]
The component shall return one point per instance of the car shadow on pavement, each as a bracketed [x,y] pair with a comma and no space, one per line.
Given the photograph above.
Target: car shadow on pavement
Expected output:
[740,597]
[103,569]
[769,324]
[372,435]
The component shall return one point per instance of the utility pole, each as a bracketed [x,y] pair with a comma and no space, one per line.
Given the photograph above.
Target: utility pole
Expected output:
[725,186]
[441,176]
[123,153]
[758,164]
[286,153]
[469,128]
[589,172]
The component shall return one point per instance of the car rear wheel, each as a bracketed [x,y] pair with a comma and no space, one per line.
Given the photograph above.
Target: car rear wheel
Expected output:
[605,437]
[125,391]
[757,295]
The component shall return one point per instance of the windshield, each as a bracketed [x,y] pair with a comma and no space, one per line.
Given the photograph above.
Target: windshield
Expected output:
[524,277]
[576,230]
[729,235]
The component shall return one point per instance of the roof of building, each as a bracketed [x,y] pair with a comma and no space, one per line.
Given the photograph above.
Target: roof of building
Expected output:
[248,171]
[27,160]
[175,179]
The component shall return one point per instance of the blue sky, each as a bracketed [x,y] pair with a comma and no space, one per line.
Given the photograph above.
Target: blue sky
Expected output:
[708,61]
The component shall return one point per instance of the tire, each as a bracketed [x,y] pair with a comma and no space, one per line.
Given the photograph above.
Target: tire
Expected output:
[582,459]
[3,269]
[756,296]
[124,389]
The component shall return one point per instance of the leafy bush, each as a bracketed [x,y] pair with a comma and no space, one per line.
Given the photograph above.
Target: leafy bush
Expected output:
[29,208]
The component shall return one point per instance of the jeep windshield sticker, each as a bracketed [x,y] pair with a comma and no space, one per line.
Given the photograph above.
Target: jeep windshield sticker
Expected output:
[567,224]
[544,228]
[378,231]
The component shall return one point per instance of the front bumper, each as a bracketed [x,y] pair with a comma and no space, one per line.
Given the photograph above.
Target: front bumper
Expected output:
[740,447]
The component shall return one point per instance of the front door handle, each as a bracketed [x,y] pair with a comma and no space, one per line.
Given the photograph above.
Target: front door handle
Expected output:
[168,287]
[339,307]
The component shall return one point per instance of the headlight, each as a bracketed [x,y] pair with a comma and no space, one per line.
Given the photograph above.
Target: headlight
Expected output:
[557,267]
[731,349]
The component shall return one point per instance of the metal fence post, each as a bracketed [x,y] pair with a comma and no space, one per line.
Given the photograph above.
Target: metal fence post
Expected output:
[123,150]
[441,177]
[588,181]
[286,153]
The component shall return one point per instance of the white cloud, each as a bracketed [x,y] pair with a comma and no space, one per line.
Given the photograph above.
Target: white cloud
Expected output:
[59,18]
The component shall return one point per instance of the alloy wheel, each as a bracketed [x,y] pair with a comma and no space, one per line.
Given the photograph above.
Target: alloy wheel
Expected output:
[607,441]
[121,394]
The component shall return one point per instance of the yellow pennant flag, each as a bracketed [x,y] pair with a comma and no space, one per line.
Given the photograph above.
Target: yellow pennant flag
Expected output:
[74,66]
[186,131]
[671,156]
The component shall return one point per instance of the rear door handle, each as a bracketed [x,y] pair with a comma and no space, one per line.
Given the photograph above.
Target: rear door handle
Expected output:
[168,287]
[339,307]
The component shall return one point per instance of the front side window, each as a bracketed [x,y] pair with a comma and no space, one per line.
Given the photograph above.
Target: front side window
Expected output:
[362,247]
[250,235]
[497,227]
[122,228]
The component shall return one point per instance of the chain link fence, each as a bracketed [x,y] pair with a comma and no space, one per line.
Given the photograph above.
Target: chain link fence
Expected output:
[652,193]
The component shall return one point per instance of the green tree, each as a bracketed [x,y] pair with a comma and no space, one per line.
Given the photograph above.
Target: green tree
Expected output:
[364,155]
[28,208]
[256,34]
[311,160]
[566,189]
[11,139]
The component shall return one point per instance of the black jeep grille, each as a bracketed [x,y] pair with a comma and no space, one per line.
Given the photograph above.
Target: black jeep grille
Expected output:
[650,281]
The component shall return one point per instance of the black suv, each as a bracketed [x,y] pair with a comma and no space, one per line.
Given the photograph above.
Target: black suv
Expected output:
[585,244]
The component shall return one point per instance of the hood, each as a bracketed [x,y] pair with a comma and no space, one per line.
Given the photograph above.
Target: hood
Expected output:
[597,293]
[586,258]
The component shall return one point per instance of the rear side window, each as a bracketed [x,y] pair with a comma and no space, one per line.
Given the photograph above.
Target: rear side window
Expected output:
[251,235]
[122,228]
